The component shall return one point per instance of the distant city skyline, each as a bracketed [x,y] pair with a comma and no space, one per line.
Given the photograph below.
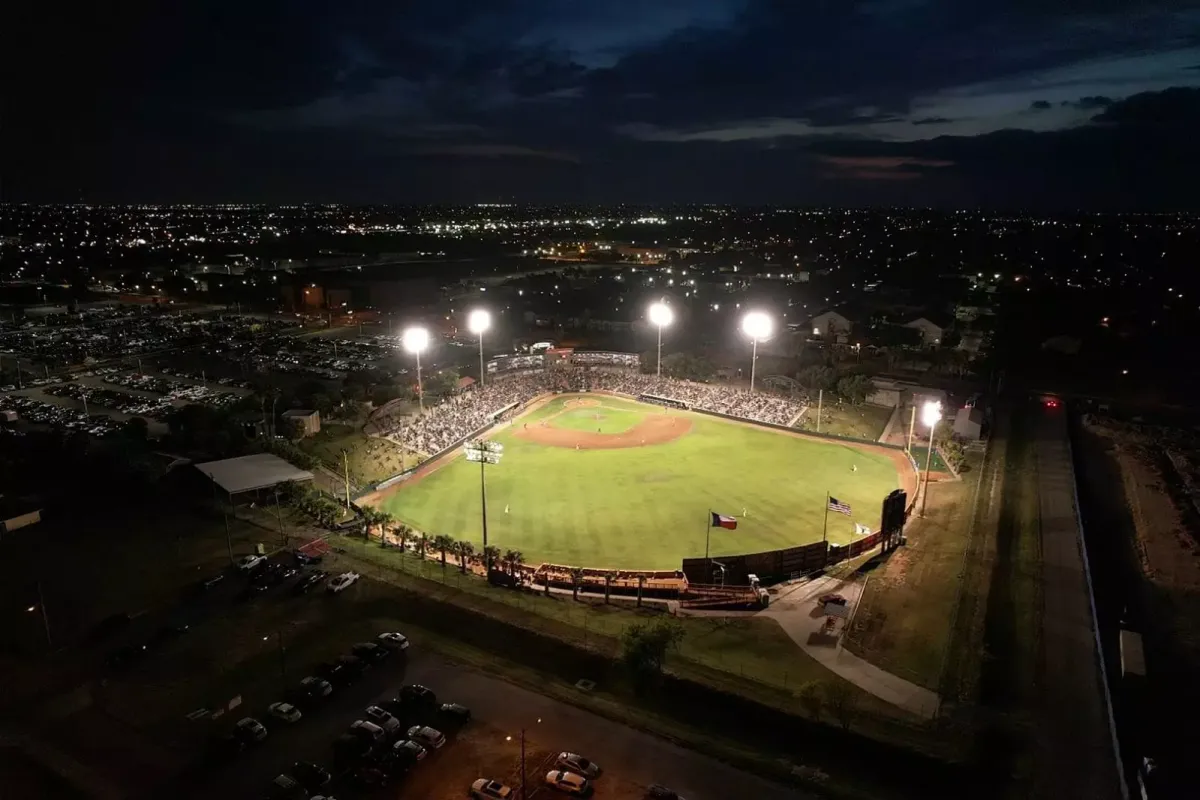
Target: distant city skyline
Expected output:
[869,103]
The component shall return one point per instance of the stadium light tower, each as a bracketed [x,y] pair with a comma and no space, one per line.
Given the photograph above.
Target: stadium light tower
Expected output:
[931,414]
[757,325]
[479,321]
[415,340]
[662,316]
[486,453]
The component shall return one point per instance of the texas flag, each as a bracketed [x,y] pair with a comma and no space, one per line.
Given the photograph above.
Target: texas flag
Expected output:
[722,521]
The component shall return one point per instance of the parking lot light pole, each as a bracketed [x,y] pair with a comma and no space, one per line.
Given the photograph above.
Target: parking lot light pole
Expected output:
[478,322]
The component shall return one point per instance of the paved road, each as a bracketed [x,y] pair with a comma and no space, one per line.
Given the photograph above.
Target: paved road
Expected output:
[641,757]
[1075,743]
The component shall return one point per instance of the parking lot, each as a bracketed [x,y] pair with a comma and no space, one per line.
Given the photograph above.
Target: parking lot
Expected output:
[254,648]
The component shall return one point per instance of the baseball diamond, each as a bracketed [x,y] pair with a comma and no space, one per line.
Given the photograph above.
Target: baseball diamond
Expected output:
[606,481]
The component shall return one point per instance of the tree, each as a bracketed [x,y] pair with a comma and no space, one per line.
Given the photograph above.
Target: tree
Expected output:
[817,378]
[842,699]
[402,533]
[644,648]
[422,545]
[464,551]
[855,388]
[688,367]
[491,554]
[442,383]
[576,581]
[513,560]
[443,544]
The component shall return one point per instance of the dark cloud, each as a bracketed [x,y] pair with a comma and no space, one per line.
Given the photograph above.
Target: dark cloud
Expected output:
[714,100]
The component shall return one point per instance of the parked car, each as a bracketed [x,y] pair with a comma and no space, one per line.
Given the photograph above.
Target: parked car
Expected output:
[383,719]
[126,655]
[310,581]
[657,791]
[569,783]
[285,787]
[310,691]
[417,695]
[312,776]
[284,711]
[396,707]
[454,713]
[831,600]
[393,641]
[573,762]
[342,582]
[304,559]
[369,651]
[427,737]
[250,730]
[250,562]
[407,752]
[167,634]
[368,731]
[368,777]
[483,789]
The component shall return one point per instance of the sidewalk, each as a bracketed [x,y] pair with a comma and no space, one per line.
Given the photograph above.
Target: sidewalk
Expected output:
[797,612]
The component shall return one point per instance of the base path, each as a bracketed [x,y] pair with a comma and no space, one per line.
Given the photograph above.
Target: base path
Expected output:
[796,610]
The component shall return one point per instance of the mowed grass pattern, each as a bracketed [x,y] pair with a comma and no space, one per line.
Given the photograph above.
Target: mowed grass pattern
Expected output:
[612,419]
[647,507]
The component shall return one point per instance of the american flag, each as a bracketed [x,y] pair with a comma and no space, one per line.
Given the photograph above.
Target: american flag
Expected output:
[839,506]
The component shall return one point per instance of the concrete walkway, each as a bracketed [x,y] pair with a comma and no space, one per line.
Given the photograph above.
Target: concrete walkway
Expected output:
[797,611]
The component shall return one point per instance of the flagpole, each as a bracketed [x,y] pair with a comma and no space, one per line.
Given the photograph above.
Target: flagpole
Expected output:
[825,524]
[707,538]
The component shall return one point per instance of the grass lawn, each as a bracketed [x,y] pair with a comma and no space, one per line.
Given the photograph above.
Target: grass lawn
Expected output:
[605,420]
[369,460]
[856,422]
[647,507]
[905,619]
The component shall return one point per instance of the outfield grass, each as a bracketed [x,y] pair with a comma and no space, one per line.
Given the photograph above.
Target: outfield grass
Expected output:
[646,507]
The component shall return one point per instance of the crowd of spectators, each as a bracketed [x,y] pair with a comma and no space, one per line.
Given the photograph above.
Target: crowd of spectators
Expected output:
[456,417]
[452,419]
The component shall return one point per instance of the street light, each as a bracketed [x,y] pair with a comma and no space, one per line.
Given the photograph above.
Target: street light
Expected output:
[757,326]
[485,453]
[479,321]
[661,315]
[931,414]
[415,340]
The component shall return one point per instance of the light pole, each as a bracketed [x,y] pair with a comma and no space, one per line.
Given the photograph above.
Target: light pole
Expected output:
[661,316]
[931,413]
[756,325]
[509,739]
[415,340]
[282,655]
[485,453]
[40,608]
[479,321]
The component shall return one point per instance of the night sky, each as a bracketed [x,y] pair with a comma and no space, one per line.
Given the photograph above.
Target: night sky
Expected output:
[1053,104]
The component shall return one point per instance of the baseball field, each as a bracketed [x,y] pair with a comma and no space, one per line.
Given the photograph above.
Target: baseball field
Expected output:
[601,481]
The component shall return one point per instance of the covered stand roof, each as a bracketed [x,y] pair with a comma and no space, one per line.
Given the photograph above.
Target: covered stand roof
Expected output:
[247,473]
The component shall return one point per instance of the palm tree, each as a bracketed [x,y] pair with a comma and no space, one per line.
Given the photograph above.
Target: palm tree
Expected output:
[443,543]
[607,586]
[422,545]
[491,554]
[464,550]
[513,559]
[384,520]
[576,580]
[400,531]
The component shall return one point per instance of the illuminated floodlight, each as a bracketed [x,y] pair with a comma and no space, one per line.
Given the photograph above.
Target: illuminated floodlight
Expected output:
[757,325]
[415,340]
[661,315]
[931,413]
[479,321]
